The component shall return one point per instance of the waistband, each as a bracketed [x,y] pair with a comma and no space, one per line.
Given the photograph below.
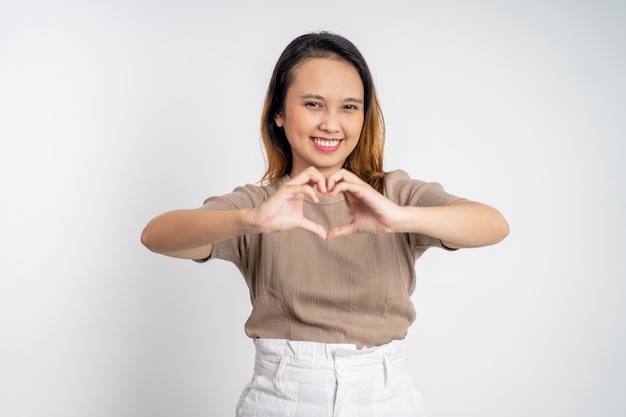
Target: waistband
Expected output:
[313,362]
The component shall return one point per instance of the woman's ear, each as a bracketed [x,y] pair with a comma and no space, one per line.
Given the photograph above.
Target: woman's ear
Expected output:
[278,119]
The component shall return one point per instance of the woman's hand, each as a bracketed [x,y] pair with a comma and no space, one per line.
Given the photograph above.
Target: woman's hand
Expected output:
[372,211]
[462,223]
[284,209]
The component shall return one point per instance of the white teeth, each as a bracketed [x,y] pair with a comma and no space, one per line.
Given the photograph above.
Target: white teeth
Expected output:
[327,143]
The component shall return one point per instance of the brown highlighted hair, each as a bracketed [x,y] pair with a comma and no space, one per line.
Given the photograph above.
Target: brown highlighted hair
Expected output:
[366,161]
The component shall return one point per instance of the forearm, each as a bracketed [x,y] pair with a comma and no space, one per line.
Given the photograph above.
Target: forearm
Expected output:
[461,224]
[180,231]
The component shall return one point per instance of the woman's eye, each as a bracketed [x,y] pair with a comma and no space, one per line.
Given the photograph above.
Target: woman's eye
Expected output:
[350,107]
[313,104]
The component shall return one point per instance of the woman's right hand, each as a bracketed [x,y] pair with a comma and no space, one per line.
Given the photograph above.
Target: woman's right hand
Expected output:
[191,233]
[284,210]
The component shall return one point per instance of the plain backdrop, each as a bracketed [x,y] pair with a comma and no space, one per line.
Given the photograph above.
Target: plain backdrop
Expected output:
[112,112]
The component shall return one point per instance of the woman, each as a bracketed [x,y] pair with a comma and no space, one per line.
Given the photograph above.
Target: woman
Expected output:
[327,244]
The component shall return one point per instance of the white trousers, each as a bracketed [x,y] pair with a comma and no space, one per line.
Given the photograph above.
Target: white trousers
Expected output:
[308,379]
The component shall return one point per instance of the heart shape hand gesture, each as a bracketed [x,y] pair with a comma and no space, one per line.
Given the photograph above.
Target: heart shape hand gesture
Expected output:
[372,212]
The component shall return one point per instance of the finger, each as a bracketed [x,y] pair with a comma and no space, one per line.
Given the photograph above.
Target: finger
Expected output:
[298,184]
[312,177]
[343,175]
[304,191]
[314,228]
[357,189]
[343,230]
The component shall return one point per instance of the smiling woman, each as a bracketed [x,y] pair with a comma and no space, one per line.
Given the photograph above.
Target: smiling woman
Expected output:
[367,159]
[322,115]
[329,326]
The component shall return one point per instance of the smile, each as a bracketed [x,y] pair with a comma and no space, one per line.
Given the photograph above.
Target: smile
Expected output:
[327,144]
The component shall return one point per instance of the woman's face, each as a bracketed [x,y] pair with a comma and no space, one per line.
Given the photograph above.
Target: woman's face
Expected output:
[322,114]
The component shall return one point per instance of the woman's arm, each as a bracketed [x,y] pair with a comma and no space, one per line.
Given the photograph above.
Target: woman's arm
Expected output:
[462,223]
[190,234]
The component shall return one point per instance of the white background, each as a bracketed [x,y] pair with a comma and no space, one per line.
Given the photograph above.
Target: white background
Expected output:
[112,112]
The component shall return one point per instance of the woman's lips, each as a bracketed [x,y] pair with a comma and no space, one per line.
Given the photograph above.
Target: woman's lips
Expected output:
[326,145]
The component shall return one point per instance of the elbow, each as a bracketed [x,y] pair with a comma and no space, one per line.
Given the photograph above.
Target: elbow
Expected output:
[145,238]
[503,232]
[500,228]
[492,229]
[148,238]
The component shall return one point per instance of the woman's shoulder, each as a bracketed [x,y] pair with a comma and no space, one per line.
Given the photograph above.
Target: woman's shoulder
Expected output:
[396,175]
[248,195]
[402,189]
[399,178]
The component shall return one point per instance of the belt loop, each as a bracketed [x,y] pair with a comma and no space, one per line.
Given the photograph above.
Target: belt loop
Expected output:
[280,386]
[387,372]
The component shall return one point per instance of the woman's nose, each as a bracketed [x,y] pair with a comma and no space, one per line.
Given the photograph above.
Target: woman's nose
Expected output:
[330,122]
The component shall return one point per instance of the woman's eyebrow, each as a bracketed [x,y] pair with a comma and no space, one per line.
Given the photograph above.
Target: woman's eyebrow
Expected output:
[312,97]
[318,97]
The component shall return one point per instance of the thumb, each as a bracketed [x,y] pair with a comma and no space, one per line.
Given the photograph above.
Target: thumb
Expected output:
[343,230]
[314,228]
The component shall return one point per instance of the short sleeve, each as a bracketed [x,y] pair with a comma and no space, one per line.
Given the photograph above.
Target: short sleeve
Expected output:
[233,249]
[405,191]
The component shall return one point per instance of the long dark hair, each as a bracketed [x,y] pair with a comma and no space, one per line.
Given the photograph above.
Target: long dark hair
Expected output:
[366,161]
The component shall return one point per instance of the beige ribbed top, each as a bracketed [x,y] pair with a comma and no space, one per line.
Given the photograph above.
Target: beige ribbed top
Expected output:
[354,289]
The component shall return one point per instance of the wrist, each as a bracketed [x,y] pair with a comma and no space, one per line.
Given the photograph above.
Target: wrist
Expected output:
[248,221]
[406,219]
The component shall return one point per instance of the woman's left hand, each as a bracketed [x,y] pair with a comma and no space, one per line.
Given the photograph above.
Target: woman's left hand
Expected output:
[372,211]
[461,223]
